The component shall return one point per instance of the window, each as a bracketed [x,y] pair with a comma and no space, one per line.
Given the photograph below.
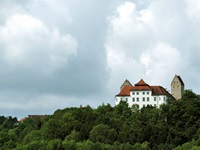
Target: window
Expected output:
[143,93]
[143,105]
[147,93]
[154,105]
[154,98]
[159,98]
[143,99]
[121,99]
[126,99]
[137,93]
[133,99]
[133,93]
[147,98]
[164,98]
[137,99]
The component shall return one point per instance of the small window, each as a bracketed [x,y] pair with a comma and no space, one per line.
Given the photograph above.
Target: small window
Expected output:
[143,99]
[154,105]
[147,93]
[154,98]
[137,93]
[133,99]
[137,99]
[143,93]
[147,98]
[126,99]
[159,98]
[121,99]
[164,98]
[133,93]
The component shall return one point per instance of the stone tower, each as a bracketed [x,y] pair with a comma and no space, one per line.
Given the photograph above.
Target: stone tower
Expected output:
[126,83]
[177,87]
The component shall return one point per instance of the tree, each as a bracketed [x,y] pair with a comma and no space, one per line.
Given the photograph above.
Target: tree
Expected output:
[54,144]
[69,145]
[103,134]
[3,138]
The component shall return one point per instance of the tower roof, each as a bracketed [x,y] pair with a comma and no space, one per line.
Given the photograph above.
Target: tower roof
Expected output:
[141,83]
[179,78]
[126,83]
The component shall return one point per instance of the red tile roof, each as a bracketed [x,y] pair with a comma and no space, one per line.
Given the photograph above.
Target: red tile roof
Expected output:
[142,86]
[32,116]
[125,91]
[22,119]
[39,116]
[159,90]
[141,83]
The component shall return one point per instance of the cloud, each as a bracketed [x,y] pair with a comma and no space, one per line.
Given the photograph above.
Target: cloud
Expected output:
[153,40]
[51,52]
[26,39]
[127,38]
[32,53]
[80,52]
[163,59]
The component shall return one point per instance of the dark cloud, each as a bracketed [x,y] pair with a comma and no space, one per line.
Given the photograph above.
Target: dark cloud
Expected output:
[69,53]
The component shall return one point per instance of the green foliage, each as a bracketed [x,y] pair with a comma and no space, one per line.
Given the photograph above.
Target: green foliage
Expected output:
[103,134]
[175,125]
[69,145]
[54,144]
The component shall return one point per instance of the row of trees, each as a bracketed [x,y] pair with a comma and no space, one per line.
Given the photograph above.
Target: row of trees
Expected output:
[174,126]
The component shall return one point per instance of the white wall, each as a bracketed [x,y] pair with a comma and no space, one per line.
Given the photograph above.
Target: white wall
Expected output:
[155,100]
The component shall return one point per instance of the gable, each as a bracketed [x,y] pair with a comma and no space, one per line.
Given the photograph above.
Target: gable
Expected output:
[177,79]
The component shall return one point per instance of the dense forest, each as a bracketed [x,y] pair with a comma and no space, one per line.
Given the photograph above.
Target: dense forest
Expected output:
[175,125]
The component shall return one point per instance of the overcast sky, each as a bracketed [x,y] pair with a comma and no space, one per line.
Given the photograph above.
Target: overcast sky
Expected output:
[63,53]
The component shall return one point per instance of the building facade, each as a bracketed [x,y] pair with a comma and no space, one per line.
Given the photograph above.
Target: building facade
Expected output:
[177,87]
[142,94]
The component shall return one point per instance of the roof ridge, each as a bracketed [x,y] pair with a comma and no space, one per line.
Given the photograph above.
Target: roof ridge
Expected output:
[141,83]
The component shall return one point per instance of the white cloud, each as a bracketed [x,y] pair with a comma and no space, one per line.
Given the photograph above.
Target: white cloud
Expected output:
[193,10]
[162,59]
[26,41]
[153,42]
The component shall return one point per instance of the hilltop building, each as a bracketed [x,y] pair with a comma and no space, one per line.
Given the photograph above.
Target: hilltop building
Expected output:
[32,116]
[177,87]
[142,94]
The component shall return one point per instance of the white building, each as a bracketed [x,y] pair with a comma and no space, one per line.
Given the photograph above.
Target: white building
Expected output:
[142,94]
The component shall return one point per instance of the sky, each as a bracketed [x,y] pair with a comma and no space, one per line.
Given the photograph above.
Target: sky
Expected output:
[62,53]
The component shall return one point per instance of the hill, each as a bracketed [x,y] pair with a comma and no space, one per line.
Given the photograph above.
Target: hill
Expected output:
[174,126]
